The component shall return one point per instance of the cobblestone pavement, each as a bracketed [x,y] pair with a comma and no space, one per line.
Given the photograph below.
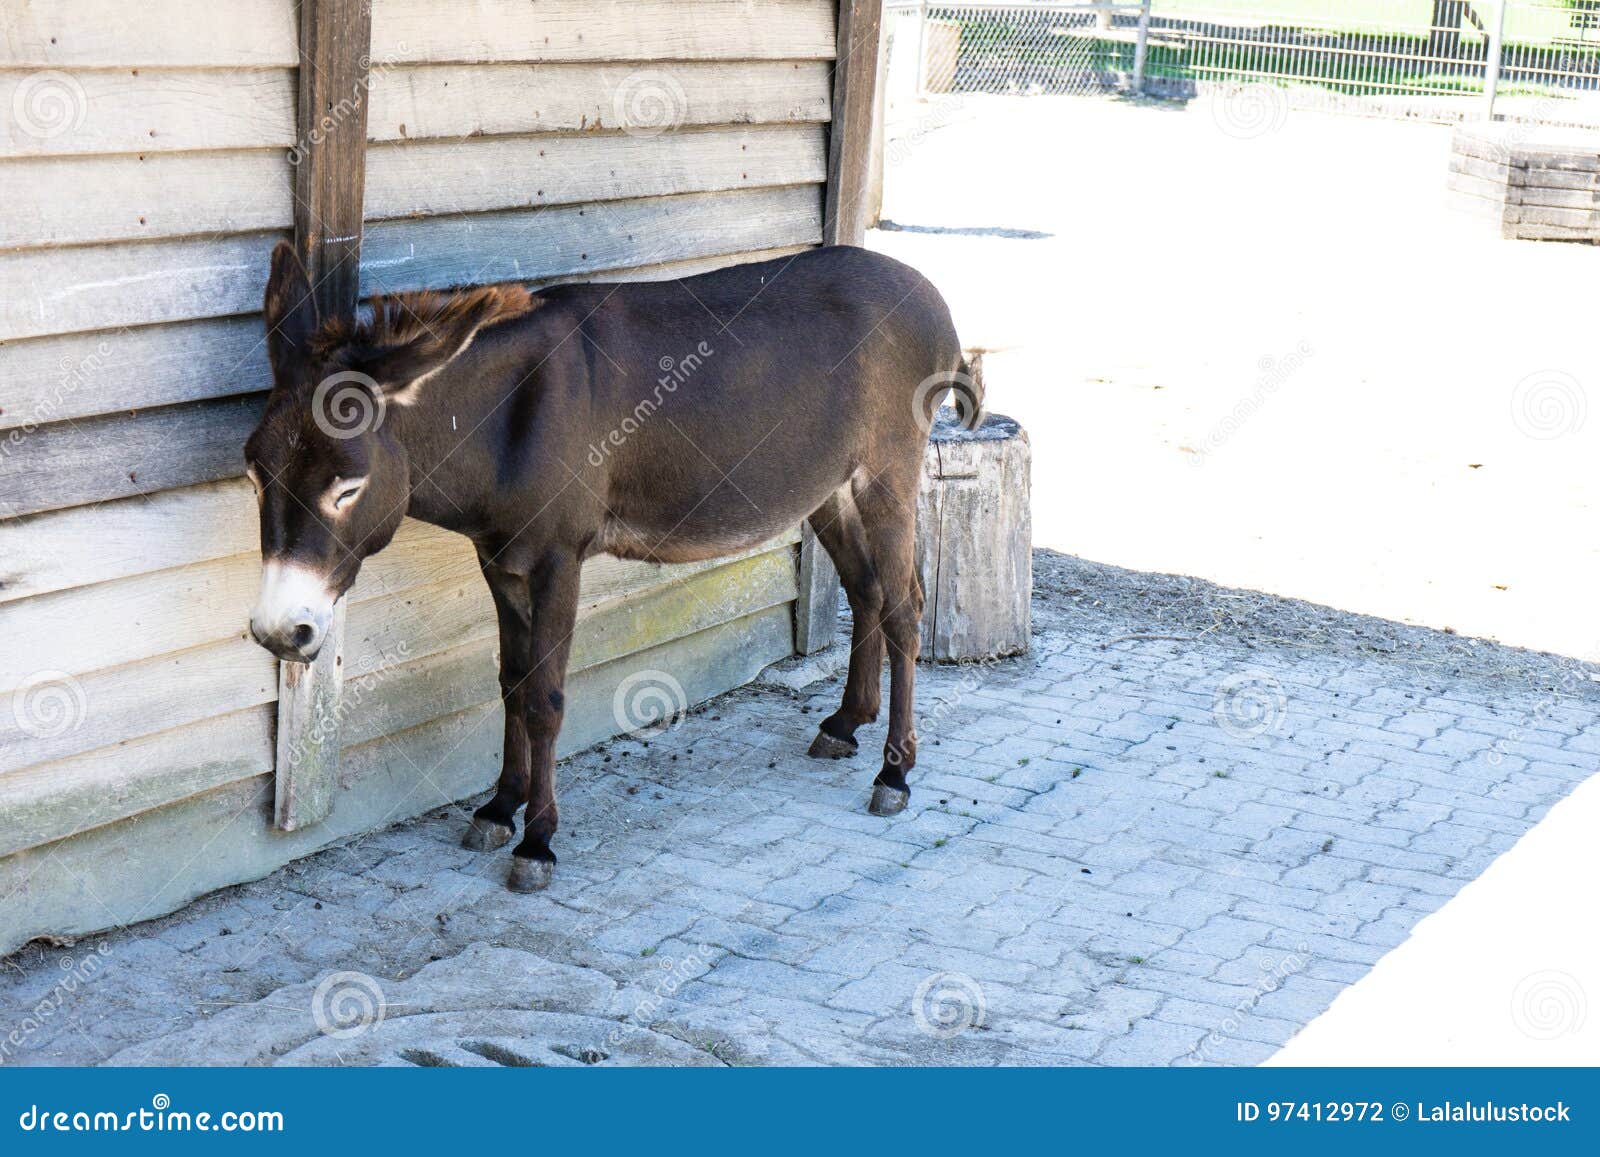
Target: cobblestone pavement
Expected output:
[1119,851]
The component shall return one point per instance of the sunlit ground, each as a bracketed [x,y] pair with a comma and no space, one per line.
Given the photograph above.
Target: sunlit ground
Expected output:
[1262,349]
[1265,351]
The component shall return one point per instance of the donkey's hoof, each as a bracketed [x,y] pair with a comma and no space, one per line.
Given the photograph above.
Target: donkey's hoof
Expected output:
[888,801]
[530,875]
[826,746]
[486,835]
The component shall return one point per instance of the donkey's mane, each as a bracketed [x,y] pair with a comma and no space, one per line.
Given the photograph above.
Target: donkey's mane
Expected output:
[402,318]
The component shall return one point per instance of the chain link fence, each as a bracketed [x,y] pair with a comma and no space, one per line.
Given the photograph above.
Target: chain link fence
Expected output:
[1536,60]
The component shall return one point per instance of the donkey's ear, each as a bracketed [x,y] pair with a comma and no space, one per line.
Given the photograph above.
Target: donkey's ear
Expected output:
[416,336]
[289,308]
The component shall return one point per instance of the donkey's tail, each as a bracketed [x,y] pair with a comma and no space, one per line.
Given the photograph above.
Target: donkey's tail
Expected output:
[966,390]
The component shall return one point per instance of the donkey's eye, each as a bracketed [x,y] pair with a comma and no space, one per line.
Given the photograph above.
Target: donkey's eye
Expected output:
[346,494]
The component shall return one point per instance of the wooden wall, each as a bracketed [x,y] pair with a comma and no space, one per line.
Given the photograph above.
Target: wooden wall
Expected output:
[144,188]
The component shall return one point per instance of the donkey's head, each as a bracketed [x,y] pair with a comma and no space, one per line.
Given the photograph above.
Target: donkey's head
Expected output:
[332,477]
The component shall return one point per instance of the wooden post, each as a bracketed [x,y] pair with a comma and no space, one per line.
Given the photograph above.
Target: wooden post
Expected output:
[855,77]
[1493,50]
[845,209]
[1141,48]
[880,132]
[329,183]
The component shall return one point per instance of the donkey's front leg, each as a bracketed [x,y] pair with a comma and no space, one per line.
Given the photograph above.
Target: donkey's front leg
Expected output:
[495,822]
[553,591]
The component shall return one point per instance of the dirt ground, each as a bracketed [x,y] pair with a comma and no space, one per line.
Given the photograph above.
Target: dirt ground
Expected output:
[1263,350]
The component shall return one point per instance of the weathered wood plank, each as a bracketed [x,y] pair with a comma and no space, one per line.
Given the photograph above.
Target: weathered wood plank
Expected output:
[52,379]
[63,549]
[578,241]
[102,876]
[54,800]
[140,698]
[128,284]
[125,197]
[114,456]
[257,33]
[429,178]
[570,30]
[101,33]
[148,112]
[79,200]
[93,628]
[106,286]
[415,102]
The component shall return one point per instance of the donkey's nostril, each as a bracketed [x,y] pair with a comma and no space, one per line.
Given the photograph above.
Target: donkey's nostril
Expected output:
[303,634]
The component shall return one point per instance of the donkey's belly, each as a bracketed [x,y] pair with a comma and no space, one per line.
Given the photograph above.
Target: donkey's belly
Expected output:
[714,529]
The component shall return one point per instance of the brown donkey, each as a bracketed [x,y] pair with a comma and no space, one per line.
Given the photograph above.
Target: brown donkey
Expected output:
[542,428]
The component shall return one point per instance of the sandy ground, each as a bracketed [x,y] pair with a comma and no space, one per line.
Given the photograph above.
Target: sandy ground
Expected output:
[1257,346]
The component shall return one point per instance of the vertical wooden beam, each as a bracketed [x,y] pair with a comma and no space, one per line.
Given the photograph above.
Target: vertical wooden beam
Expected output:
[855,78]
[845,208]
[329,160]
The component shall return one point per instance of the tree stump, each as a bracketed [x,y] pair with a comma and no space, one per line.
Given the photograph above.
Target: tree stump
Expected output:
[975,540]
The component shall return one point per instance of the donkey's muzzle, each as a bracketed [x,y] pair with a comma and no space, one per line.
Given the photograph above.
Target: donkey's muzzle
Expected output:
[293,613]
[299,645]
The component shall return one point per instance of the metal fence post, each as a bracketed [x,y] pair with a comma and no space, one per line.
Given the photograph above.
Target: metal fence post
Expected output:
[1141,47]
[922,47]
[1491,78]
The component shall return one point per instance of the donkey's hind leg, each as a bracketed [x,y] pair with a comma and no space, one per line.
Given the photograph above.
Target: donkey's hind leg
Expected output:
[837,525]
[888,518]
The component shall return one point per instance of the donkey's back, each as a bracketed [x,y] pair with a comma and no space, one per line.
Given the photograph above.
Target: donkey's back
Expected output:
[734,404]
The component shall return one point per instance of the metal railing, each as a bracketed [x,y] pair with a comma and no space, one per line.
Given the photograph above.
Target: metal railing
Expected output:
[1435,59]
[1023,47]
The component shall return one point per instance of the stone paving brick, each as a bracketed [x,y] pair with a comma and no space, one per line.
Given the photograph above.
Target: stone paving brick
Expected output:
[1151,1042]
